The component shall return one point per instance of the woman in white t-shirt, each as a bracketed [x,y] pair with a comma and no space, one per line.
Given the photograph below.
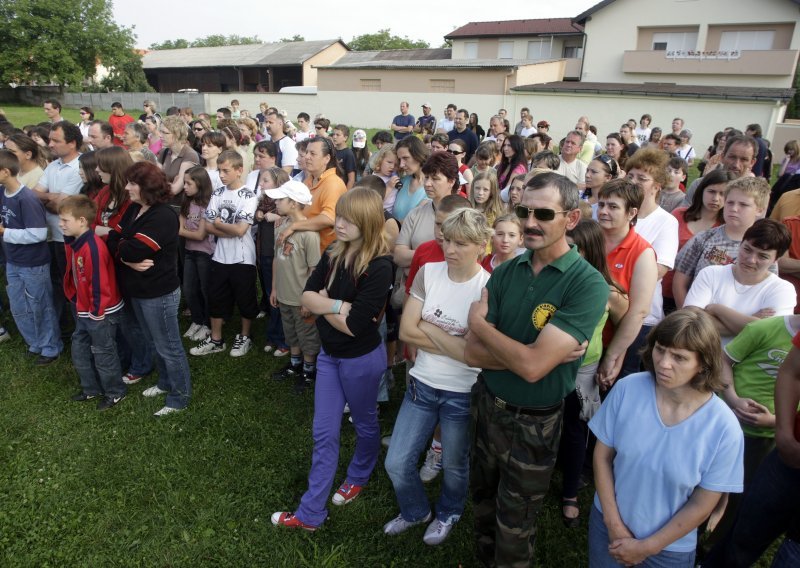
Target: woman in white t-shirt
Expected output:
[435,322]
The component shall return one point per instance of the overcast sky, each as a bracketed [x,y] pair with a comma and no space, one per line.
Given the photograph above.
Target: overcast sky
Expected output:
[270,21]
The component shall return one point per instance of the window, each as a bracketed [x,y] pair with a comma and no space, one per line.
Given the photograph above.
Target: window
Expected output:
[539,50]
[443,85]
[573,52]
[505,50]
[370,84]
[746,40]
[674,41]
[470,50]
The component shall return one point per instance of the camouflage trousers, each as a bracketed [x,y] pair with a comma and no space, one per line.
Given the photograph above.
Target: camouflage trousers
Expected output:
[512,460]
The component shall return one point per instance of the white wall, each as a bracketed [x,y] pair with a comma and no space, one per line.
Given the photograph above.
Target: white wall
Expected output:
[613,30]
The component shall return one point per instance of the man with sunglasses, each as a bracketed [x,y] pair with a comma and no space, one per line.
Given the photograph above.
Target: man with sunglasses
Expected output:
[528,333]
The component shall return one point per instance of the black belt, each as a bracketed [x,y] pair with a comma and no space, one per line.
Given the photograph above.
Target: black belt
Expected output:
[529,410]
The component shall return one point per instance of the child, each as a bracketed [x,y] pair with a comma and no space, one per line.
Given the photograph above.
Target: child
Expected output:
[671,195]
[515,191]
[506,242]
[90,284]
[344,155]
[484,157]
[293,264]
[235,114]
[347,291]
[745,201]
[484,195]
[199,246]
[230,214]
[29,289]
[386,169]
[267,216]
[361,153]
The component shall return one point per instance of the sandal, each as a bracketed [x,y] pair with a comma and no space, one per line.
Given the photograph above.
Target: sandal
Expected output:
[570,522]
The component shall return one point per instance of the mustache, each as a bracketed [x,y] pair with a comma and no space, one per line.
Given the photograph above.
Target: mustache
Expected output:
[533,232]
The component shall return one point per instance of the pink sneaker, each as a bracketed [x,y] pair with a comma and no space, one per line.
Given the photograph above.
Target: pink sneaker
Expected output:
[288,520]
[346,493]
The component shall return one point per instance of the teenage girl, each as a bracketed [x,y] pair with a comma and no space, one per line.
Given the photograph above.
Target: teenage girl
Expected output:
[484,195]
[347,291]
[199,245]
[506,242]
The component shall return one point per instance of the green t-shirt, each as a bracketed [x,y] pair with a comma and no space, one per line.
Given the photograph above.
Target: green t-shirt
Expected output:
[757,352]
[568,293]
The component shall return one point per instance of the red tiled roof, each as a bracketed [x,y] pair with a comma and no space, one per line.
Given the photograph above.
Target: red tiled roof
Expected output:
[545,26]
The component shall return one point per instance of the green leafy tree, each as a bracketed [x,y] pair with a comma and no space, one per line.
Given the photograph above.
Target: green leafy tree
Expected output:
[384,39]
[59,41]
[295,37]
[127,75]
[213,40]
[171,44]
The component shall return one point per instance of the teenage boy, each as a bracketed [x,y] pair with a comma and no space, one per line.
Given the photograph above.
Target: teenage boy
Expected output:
[745,201]
[90,283]
[737,294]
[118,121]
[303,127]
[230,215]
[672,195]
[294,262]
[30,292]
[344,155]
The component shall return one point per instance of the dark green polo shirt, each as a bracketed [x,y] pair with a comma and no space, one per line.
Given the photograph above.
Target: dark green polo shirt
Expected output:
[568,293]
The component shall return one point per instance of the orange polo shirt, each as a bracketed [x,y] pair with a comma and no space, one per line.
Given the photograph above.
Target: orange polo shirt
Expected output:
[324,196]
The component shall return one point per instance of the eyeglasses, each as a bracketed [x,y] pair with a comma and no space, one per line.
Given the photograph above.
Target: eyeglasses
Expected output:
[610,162]
[540,214]
[455,152]
[198,128]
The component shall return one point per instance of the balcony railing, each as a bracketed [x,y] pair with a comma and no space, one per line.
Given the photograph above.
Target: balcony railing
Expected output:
[767,62]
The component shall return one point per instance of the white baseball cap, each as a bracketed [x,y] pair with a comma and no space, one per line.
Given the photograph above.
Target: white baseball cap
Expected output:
[359,139]
[294,190]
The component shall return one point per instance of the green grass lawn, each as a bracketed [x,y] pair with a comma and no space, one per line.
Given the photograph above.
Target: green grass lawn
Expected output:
[122,488]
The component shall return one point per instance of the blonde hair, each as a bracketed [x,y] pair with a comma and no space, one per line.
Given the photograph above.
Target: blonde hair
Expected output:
[508,218]
[363,208]
[467,225]
[494,207]
[755,187]
[177,127]
[381,154]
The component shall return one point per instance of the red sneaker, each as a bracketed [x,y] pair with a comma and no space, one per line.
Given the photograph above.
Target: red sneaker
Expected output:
[288,520]
[130,379]
[346,493]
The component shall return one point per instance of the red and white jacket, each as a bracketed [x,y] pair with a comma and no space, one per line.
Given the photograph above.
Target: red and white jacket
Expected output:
[90,280]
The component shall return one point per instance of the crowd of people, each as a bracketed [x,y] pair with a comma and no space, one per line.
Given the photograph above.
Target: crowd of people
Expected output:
[550,300]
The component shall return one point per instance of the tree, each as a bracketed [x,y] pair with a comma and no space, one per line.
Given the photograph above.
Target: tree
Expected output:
[60,41]
[295,37]
[127,75]
[214,40]
[384,40]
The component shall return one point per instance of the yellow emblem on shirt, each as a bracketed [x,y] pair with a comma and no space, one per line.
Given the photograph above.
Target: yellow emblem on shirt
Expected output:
[542,314]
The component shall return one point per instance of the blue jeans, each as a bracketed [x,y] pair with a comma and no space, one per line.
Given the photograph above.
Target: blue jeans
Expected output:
[196,276]
[30,294]
[423,407]
[94,356]
[135,352]
[770,506]
[274,327]
[600,558]
[158,319]
[354,381]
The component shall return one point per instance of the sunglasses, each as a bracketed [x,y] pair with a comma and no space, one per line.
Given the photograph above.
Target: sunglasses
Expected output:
[610,162]
[198,128]
[538,213]
[455,152]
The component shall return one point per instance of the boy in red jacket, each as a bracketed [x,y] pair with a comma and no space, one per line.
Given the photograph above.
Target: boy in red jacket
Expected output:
[90,284]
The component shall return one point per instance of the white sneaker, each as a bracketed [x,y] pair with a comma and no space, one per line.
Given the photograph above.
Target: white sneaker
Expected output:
[241,345]
[399,525]
[438,531]
[206,347]
[261,315]
[201,333]
[432,466]
[153,391]
[4,335]
[192,330]
[167,410]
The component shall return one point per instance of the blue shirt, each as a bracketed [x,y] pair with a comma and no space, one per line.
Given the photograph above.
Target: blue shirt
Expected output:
[25,235]
[402,120]
[405,201]
[60,177]
[657,467]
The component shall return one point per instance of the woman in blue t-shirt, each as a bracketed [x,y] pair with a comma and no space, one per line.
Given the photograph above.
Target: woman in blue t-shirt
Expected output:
[667,449]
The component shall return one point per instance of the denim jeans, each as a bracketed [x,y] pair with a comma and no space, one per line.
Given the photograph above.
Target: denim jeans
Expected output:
[600,558]
[134,351]
[339,381]
[769,507]
[274,326]
[158,319]
[94,356]
[30,294]
[423,407]
[196,275]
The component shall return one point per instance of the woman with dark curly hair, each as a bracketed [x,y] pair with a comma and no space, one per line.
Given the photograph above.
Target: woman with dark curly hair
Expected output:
[145,246]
